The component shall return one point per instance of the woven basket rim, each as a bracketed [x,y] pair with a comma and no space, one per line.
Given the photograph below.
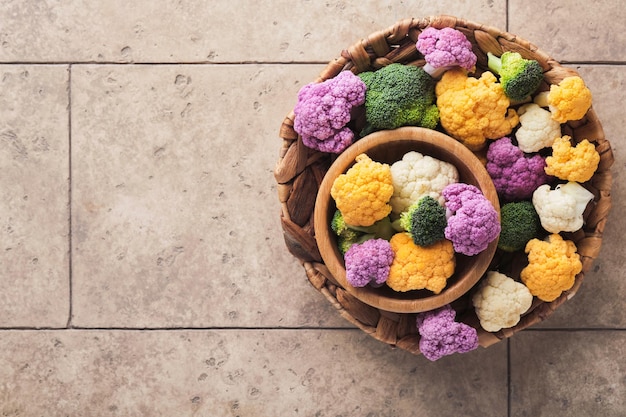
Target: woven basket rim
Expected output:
[299,172]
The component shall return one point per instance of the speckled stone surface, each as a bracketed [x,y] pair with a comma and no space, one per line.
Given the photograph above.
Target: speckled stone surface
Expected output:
[241,373]
[197,31]
[34,196]
[142,267]
[581,373]
[175,214]
[553,24]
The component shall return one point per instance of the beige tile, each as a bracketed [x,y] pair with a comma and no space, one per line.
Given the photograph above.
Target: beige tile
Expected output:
[598,302]
[175,209]
[200,31]
[573,30]
[240,373]
[607,83]
[34,195]
[575,374]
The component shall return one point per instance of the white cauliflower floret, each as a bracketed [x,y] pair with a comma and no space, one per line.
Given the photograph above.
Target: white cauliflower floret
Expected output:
[417,176]
[538,130]
[500,301]
[561,209]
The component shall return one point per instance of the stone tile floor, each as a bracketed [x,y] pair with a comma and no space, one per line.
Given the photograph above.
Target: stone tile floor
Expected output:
[142,267]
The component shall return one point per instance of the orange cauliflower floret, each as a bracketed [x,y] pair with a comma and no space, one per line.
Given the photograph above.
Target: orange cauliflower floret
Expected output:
[474,109]
[552,267]
[568,100]
[572,163]
[362,194]
[415,267]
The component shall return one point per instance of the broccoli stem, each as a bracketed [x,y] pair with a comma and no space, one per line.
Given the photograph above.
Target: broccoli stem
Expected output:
[398,225]
[382,229]
[494,63]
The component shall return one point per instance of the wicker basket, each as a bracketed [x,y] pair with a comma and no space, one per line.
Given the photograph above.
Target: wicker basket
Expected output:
[300,171]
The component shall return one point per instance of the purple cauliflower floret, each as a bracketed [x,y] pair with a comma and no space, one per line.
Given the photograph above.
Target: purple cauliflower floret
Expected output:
[444,49]
[474,222]
[368,263]
[515,174]
[441,335]
[323,111]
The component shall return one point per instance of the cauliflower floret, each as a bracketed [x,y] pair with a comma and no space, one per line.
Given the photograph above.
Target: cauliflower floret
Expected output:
[515,174]
[445,48]
[416,176]
[323,111]
[561,209]
[538,130]
[368,263]
[500,301]
[473,223]
[473,110]
[440,335]
[362,194]
[568,100]
[572,163]
[552,267]
[416,267]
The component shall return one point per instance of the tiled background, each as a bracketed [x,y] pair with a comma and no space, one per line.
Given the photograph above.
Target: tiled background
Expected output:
[142,267]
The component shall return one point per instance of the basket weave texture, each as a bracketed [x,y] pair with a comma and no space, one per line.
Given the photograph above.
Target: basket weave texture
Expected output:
[300,171]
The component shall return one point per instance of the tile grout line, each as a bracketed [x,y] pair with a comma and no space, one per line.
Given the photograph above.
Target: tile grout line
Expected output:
[269,328]
[179,329]
[249,63]
[69,194]
[506,16]
[509,388]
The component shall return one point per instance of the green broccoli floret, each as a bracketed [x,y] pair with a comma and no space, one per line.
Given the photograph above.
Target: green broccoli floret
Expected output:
[349,238]
[519,224]
[399,95]
[338,224]
[348,234]
[425,221]
[519,77]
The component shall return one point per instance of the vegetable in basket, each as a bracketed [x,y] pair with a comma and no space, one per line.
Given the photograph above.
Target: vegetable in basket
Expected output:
[570,99]
[323,111]
[399,95]
[362,194]
[515,175]
[572,163]
[538,129]
[519,223]
[474,223]
[416,267]
[519,77]
[444,49]
[441,335]
[561,209]
[368,263]
[552,267]
[425,221]
[417,175]
[473,110]
[500,301]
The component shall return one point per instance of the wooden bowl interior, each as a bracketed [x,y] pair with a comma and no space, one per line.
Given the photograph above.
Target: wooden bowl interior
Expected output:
[389,147]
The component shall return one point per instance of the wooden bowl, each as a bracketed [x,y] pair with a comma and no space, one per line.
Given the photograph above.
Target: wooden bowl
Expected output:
[389,146]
